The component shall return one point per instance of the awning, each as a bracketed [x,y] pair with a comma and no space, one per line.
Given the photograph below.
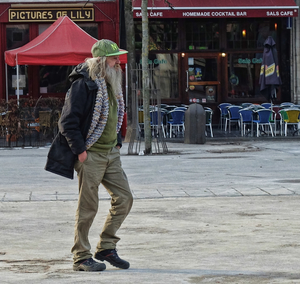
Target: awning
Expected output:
[63,43]
[218,9]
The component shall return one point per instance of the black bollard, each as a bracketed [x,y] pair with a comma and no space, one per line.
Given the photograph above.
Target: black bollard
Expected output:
[195,119]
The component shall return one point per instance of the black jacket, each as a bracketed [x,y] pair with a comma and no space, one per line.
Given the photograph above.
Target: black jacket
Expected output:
[74,124]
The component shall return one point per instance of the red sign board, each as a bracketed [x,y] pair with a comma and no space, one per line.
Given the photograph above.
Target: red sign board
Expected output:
[217,9]
[216,13]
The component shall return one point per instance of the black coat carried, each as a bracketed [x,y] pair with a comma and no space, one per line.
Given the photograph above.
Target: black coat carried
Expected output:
[74,124]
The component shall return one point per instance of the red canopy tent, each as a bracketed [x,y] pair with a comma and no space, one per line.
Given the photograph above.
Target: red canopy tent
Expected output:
[63,43]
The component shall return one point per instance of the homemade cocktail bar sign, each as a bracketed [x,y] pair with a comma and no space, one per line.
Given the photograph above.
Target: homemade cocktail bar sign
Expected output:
[217,9]
[51,14]
[202,13]
[220,14]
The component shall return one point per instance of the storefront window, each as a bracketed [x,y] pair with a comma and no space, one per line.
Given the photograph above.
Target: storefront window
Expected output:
[54,79]
[163,34]
[243,75]
[90,28]
[202,35]
[250,34]
[163,75]
[17,36]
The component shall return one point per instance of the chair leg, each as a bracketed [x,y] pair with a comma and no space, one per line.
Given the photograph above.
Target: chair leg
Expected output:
[163,130]
[285,129]
[271,130]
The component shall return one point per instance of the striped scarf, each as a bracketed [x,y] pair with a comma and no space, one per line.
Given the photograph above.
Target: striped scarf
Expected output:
[100,114]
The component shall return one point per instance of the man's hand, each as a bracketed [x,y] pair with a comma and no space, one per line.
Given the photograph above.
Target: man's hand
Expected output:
[82,157]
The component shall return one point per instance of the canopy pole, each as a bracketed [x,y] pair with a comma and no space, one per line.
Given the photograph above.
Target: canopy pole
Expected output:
[18,85]
[126,87]
[6,78]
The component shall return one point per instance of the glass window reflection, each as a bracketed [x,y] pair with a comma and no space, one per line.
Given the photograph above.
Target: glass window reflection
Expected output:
[17,36]
[249,34]
[243,75]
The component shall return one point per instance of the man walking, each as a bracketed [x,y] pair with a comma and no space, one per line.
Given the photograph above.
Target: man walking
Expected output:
[88,141]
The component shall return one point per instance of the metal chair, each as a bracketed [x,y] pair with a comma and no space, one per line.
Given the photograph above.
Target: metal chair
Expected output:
[170,107]
[156,122]
[290,117]
[265,117]
[223,112]
[246,117]
[180,108]
[287,104]
[233,116]
[177,122]
[208,123]
[245,105]
[266,105]
[277,118]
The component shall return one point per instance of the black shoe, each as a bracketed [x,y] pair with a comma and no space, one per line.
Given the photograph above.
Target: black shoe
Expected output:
[111,256]
[89,265]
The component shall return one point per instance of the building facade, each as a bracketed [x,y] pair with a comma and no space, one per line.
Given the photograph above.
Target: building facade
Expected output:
[22,22]
[200,51]
[207,53]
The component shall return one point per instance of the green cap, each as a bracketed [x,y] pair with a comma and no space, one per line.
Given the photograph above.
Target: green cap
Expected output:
[106,47]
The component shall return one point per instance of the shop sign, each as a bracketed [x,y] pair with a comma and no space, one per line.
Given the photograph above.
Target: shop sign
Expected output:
[217,13]
[156,61]
[248,61]
[50,15]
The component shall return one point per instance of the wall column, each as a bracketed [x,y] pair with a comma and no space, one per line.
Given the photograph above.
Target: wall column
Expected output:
[295,59]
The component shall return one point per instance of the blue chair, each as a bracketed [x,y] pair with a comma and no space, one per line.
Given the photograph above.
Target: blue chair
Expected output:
[246,116]
[223,112]
[266,105]
[245,105]
[157,122]
[180,108]
[177,122]
[170,107]
[233,116]
[265,117]
[287,104]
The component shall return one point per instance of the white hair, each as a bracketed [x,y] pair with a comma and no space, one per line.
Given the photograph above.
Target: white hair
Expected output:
[97,67]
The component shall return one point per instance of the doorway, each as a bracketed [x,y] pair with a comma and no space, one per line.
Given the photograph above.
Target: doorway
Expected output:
[203,77]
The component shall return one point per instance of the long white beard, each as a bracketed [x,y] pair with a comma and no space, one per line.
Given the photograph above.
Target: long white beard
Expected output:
[114,78]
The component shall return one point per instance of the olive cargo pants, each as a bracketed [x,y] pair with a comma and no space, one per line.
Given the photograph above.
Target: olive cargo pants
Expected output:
[99,168]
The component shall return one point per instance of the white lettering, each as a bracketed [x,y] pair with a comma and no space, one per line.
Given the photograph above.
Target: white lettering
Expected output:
[243,14]
[196,14]
[156,14]
[223,14]
[272,13]
[287,13]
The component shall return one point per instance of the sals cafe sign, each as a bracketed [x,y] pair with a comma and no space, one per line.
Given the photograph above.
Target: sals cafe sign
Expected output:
[50,15]
[179,12]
